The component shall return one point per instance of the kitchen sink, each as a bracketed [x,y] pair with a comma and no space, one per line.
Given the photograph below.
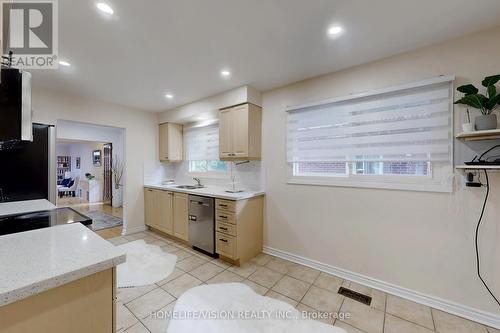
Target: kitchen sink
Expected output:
[190,187]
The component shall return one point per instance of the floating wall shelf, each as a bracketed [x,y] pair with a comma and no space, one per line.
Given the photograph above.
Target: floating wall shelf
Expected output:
[479,135]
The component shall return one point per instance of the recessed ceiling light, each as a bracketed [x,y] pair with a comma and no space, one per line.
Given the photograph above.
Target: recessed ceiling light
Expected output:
[225,73]
[105,8]
[335,30]
[64,63]
[169,96]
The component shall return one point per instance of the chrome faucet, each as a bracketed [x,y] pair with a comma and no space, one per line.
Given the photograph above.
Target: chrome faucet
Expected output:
[198,181]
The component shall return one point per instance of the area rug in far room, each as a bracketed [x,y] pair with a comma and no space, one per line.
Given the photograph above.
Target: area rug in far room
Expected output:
[145,264]
[236,308]
[101,220]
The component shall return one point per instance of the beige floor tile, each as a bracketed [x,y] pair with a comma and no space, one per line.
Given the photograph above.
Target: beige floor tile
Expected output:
[280,265]
[169,248]
[206,271]
[492,330]
[118,240]
[244,270]
[125,295]
[124,318]
[158,322]
[397,325]
[410,311]
[322,300]
[290,287]
[306,312]
[133,237]
[261,259]
[190,263]
[448,323]
[174,275]
[303,273]
[328,282]
[181,255]
[378,297]
[152,301]
[180,284]
[221,263]
[265,277]
[225,277]
[137,328]
[363,317]
[280,297]
[349,328]
[256,287]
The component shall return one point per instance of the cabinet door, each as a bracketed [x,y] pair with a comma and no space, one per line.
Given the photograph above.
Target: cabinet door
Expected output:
[174,142]
[239,122]
[163,144]
[181,216]
[150,207]
[165,212]
[225,133]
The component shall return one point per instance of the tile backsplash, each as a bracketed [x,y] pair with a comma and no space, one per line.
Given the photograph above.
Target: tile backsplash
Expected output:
[248,175]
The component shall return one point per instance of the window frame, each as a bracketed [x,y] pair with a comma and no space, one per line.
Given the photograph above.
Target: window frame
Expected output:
[210,173]
[439,179]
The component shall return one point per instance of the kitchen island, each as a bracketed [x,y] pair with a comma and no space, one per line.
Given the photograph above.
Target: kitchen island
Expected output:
[57,279]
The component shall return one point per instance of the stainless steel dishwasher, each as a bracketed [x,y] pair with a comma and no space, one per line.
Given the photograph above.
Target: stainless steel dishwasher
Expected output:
[202,223]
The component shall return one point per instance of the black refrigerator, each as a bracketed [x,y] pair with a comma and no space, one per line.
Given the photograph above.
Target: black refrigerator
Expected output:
[27,168]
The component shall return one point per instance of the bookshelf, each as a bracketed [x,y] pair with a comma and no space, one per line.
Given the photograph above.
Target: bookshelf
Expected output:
[63,165]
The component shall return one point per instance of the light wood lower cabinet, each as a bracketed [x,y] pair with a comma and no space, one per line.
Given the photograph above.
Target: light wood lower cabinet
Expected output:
[181,216]
[82,306]
[167,212]
[239,227]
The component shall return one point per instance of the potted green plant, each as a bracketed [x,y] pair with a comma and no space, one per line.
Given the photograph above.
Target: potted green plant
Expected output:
[486,104]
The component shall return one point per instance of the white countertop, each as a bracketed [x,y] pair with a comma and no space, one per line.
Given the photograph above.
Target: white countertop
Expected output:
[209,191]
[27,206]
[38,260]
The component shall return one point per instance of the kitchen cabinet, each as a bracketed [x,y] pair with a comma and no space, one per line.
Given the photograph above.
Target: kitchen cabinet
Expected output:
[167,212]
[181,216]
[240,132]
[239,228]
[170,142]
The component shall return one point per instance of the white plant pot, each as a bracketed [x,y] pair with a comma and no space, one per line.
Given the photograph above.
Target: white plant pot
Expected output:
[118,197]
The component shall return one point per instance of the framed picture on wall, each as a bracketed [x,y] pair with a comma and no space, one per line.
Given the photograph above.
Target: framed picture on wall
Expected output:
[78,162]
[96,157]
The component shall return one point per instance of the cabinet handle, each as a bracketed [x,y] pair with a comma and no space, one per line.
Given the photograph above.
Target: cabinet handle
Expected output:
[222,228]
[223,217]
[223,240]
[223,205]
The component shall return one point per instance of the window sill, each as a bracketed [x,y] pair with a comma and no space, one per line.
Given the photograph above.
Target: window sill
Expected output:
[424,185]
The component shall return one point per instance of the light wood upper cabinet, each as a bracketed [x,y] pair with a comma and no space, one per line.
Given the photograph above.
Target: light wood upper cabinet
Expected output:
[240,132]
[181,216]
[170,142]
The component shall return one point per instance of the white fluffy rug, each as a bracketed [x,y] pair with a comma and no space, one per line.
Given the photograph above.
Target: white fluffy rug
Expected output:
[145,264]
[251,313]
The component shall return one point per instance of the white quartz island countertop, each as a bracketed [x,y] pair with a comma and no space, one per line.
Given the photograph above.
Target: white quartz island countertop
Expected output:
[27,206]
[209,191]
[34,261]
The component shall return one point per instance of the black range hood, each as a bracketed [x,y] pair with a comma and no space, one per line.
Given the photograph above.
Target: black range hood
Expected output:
[15,107]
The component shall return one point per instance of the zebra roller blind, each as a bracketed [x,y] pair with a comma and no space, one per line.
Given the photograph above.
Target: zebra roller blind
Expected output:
[202,143]
[398,124]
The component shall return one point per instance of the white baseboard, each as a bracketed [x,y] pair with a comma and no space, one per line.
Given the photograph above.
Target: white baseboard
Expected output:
[133,230]
[460,310]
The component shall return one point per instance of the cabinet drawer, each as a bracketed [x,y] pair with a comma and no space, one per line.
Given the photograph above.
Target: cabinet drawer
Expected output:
[224,216]
[225,245]
[225,205]
[225,228]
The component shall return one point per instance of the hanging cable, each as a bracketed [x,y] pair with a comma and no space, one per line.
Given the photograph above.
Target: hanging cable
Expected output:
[478,261]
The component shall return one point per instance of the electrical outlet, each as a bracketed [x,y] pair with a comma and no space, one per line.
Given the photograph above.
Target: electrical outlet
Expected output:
[471,180]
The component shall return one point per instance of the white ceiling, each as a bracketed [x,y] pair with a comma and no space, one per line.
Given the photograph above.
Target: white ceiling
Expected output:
[151,47]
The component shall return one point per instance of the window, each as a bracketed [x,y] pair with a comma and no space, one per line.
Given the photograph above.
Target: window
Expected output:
[202,151]
[393,138]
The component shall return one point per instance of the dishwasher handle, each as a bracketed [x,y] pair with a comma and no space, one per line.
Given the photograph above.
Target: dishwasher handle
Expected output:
[193,202]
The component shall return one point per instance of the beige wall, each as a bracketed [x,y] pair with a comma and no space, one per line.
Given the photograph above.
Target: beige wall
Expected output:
[141,139]
[417,240]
